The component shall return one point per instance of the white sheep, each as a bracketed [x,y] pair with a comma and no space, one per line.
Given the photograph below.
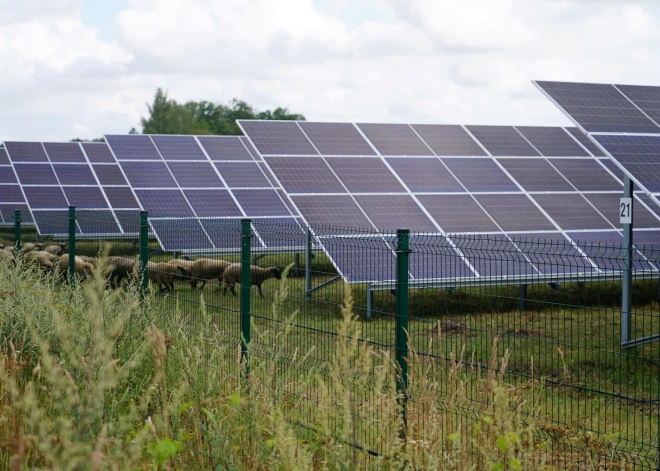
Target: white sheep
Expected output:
[45,260]
[206,269]
[58,249]
[162,273]
[258,275]
[118,268]
[82,268]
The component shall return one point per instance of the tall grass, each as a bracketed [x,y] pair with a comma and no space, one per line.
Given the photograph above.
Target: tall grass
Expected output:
[92,379]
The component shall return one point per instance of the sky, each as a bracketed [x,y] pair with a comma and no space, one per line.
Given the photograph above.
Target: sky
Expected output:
[84,68]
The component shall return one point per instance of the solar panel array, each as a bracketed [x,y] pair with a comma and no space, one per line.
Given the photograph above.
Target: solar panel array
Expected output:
[495,184]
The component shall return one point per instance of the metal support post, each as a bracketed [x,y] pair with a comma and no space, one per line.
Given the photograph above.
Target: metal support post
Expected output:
[144,253]
[627,214]
[17,230]
[246,234]
[370,301]
[72,244]
[401,335]
[296,265]
[175,255]
[523,297]
[308,264]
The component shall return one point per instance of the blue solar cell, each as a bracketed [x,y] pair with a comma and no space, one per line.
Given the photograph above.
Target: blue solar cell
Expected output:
[638,155]
[148,175]
[121,197]
[571,211]
[280,232]
[129,221]
[261,203]
[7,175]
[97,222]
[331,210]
[585,141]
[85,197]
[181,234]
[195,175]
[337,138]
[250,148]
[362,259]
[178,147]
[98,152]
[424,175]
[45,197]
[304,175]
[365,175]
[4,158]
[164,202]
[26,152]
[447,139]
[551,253]
[647,98]
[457,213]
[648,245]
[432,257]
[109,175]
[502,141]
[586,174]
[395,139]
[35,174]
[392,212]
[606,250]
[598,107]
[224,148]
[213,203]
[608,205]
[8,210]
[243,175]
[11,193]
[278,137]
[552,141]
[515,213]
[226,234]
[52,222]
[479,174]
[74,174]
[133,147]
[492,255]
[68,152]
[536,175]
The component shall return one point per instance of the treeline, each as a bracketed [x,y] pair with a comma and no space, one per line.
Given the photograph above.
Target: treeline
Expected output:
[167,116]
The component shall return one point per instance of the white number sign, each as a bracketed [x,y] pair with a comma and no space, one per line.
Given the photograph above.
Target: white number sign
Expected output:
[625,210]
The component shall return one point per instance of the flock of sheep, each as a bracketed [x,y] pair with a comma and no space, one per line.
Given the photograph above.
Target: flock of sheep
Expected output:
[53,258]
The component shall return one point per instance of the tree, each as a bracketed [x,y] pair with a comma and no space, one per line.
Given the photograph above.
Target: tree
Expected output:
[168,117]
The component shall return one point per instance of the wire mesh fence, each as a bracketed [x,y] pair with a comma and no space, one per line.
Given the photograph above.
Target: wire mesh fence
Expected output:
[545,312]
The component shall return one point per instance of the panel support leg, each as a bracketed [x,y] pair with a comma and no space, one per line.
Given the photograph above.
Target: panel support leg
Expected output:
[523,297]
[308,264]
[626,285]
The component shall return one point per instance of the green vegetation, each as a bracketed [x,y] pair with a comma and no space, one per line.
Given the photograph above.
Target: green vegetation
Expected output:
[90,379]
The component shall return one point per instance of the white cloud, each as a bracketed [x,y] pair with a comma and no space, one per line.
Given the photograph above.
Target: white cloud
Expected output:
[424,61]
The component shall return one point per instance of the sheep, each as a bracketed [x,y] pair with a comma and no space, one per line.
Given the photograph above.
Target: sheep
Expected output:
[7,254]
[45,260]
[258,275]
[91,260]
[82,268]
[58,249]
[30,247]
[162,273]
[206,269]
[119,268]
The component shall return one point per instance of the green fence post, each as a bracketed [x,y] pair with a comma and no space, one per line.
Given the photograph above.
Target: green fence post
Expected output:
[72,244]
[401,336]
[144,253]
[17,230]
[246,234]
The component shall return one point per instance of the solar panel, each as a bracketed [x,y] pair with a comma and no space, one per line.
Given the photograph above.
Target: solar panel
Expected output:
[639,156]
[362,259]
[195,175]
[571,211]
[35,174]
[585,141]
[586,174]
[647,243]
[180,234]
[606,250]
[480,174]
[304,175]
[515,213]
[598,107]
[611,166]
[52,222]
[502,141]
[164,202]
[74,174]
[492,255]
[448,139]
[250,148]
[224,148]
[64,152]
[391,212]
[4,159]
[109,175]
[268,174]
[213,203]
[133,147]
[45,197]
[608,205]
[365,175]
[9,193]
[394,139]
[7,175]
[7,210]
[26,151]
[226,233]
[121,197]
[646,98]
[85,197]
[536,175]
[278,137]
[178,147]
[97,222]
[280,232]
[551,253]
[148,175]
[457,213]
[98,152]
[242,175]
[331,210]
[425,175]
[432,257]
[336,139]
[552,141]
[261,203]
[129,221]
